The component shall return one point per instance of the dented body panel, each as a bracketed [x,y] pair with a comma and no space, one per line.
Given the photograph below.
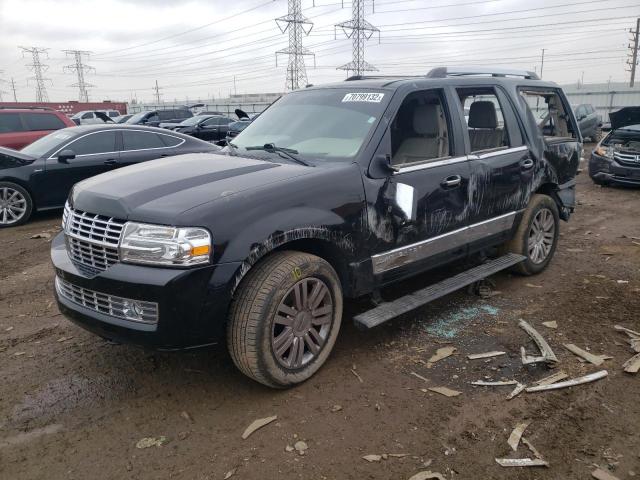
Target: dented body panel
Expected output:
[374,224]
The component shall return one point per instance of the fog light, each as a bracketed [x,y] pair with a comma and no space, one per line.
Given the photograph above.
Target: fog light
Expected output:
[132,310]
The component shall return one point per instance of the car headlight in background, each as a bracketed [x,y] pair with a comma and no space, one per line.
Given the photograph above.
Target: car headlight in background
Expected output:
[604,151]
[160,245]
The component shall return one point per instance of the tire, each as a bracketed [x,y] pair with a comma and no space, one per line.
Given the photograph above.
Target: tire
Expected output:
[544,210]
[268,324]
[16,205]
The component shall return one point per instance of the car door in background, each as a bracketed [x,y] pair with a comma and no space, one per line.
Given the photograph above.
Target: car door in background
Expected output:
[215,128]
[95,153]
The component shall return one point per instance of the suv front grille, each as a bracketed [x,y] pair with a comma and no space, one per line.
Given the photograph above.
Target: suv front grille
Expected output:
[107,304]
[630,159]
[92,240]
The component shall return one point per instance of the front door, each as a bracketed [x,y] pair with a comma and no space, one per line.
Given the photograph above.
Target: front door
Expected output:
[94,153]
[425,201]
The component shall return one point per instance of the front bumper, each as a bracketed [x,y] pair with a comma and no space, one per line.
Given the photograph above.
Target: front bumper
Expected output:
[610,171]
[192,304]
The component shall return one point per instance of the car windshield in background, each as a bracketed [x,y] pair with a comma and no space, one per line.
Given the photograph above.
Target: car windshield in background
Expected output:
[193,120]
[329,123]
[47,143]
[137,117]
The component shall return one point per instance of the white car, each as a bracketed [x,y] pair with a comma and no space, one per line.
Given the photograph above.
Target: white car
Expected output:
[89,117]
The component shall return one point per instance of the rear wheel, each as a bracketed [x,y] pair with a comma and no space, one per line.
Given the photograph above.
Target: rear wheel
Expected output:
[537,235]
[15,205]
[285,318]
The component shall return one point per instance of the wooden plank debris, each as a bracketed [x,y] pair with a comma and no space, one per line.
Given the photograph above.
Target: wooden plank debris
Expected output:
[516,391]
[440,354]
[428,475]
[477,356]
[556,377]
[482,383]
[589,357]
[553,325]
[533,449]
[447,392]
[592,377]
[601,474]
[547,354]
[628,331]
[417,375]
[521,462]
[257,424]
[632,365]
[516,434]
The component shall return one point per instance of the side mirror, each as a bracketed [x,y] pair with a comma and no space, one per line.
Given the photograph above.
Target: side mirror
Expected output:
[65,155]
[381,166]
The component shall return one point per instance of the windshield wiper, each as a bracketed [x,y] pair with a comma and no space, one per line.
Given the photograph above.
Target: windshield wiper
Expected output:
[272,148]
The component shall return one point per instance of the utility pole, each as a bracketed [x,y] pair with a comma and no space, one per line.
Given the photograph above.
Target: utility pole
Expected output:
[80,69]
[1,82]
[633,63]
[297,25]
[542,63]
[358,30]
[13,87]
[157,93]
[38,69]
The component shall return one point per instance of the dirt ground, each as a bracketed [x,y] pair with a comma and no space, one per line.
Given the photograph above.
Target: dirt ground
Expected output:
[73,406]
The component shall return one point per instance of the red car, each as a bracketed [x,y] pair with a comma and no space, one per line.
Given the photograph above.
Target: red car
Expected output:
[21,126]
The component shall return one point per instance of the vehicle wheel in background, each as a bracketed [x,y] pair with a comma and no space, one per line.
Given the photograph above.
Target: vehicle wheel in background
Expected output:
[16,205]
[285,318]
[537,235]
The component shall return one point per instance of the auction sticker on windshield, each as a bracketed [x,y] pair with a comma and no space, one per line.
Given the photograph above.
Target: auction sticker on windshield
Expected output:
[363,97]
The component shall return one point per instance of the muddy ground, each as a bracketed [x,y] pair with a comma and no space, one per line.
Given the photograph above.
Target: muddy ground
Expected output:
[73,406]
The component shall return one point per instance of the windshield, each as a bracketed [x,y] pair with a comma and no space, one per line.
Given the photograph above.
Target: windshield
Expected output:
[327,123]
[47,143]
[193,120]
[137,117]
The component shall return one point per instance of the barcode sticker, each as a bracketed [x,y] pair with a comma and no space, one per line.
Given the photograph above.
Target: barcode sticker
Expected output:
[363,97]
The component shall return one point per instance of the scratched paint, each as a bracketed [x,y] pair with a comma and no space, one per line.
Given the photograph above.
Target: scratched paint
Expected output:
[450,324]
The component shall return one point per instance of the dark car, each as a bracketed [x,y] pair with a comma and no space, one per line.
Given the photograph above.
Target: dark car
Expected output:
[616,159]
[234,128]
[588,121]
[21,126]
[332,193]
[40,176]
[205,127]
[123,118]
[153,118]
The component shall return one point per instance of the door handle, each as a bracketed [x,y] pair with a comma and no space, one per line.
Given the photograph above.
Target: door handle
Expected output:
[527,163]
[452,181]
[111,161]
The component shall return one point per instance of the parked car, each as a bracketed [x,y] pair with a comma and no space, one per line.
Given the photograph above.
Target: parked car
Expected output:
[95,117]
[21,126]
[205,127]
[616,159]
[40,176]
[153,118]
[333,192]
[123,118]
[234,128]
[588,120]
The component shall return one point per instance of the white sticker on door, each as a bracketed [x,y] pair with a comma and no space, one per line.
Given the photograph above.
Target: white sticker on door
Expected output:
[363,97]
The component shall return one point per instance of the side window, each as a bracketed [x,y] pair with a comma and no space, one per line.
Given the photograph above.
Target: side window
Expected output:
[94,143]
[580,111]
[10,122]
[419,131]
[547,110]
[87,116]
[113,114]
[212,121]
[171,141]
[141,140]
[153,118]
[42,121]
[485,120]
[165,115]
[184,114]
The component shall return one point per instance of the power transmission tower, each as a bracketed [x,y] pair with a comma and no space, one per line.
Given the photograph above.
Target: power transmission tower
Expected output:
[13,87]
[358,30]
[80,69]
[1,82]
[298,26]
[633,62]
[38,69]
[156,93]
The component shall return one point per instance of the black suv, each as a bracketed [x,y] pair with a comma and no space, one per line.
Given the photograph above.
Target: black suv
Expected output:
[334,191]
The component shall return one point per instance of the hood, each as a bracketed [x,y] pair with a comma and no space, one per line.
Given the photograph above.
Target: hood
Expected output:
[10,158]
[241,113]
[160,190]
[625,116]
[104,117]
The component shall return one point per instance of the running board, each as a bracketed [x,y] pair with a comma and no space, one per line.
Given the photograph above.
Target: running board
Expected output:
[389,310]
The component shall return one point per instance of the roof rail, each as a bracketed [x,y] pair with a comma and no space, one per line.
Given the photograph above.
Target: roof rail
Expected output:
[26,108]
[380,77]
[443,72]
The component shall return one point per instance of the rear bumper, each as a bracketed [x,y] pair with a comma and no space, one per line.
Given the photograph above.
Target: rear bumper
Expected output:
[610,171]
[192,304]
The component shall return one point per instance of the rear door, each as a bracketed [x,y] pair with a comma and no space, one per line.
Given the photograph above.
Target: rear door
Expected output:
[95,153]
[213,129]
[500,163]
[140,146]
[13,133]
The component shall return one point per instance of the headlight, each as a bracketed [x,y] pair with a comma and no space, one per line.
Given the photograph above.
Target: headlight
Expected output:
[160,245]
[604,151]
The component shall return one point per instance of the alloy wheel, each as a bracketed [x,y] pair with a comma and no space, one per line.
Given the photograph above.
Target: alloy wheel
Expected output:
[302,323]
[13,205]
[541,235]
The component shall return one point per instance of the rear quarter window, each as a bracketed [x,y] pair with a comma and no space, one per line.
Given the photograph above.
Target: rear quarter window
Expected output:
[171,141]
[10,122]
[42,121]
[141,140]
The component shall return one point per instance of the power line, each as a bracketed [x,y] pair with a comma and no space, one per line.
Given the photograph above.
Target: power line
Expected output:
[38,69]
[296,24]
[358,30]
[80,69]
[633,62]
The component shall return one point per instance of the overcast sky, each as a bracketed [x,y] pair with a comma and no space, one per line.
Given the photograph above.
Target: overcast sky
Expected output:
[194,48]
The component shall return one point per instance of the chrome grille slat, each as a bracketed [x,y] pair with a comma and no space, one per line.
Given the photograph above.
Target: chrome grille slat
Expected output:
[627,158]
[92,239]
[104,303]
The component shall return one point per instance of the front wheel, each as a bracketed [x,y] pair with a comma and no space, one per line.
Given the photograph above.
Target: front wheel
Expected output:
[15,205]
[285,318]
[537,235]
